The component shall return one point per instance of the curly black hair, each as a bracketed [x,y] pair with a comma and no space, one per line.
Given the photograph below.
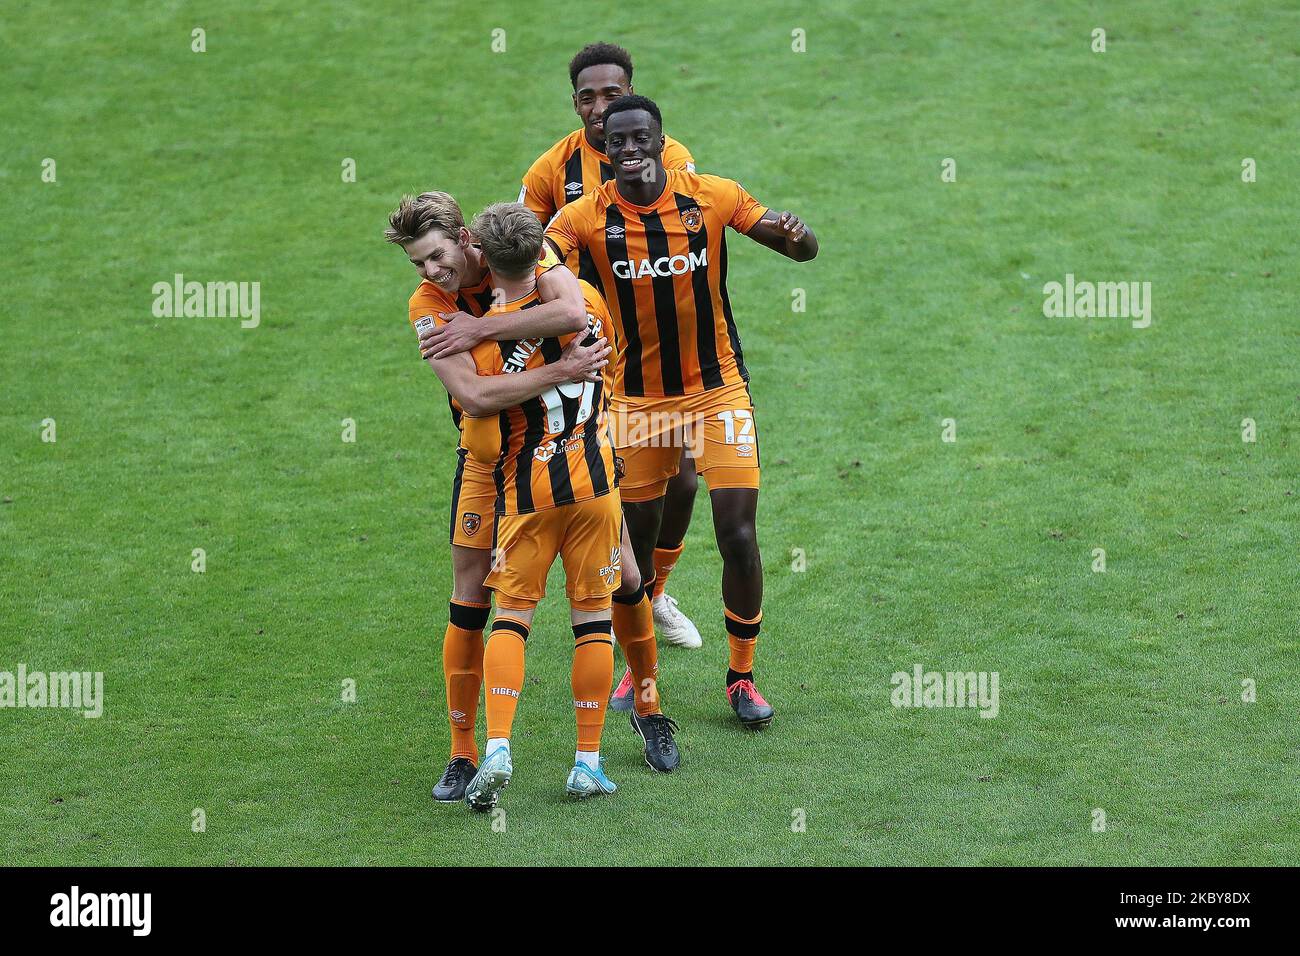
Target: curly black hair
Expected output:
[595,54]
[632,101]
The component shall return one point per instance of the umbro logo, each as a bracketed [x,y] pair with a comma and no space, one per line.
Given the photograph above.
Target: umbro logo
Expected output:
[615,232]
[573,189]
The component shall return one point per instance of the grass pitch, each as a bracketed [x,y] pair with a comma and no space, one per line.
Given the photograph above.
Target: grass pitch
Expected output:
[1120,692]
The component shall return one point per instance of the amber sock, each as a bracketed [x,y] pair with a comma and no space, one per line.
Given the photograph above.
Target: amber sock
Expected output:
[634,626]
[742,637]
[665,559]
[592,678]
[462,672]
[503,674]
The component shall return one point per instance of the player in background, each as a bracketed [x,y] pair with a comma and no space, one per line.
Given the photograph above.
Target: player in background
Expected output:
[455,279]
[553,469]
[573,167]
[657,245]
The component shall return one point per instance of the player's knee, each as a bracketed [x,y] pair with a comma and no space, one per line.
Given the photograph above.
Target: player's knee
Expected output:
[684,485]
[468,573]
[471,594]
[738,545]
[631,580]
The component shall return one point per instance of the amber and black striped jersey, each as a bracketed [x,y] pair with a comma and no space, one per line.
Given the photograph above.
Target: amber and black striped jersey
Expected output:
[554,449]
[573,167]
[663,270]
[429,301]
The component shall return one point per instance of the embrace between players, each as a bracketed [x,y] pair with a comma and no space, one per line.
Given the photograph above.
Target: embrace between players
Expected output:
[586,406]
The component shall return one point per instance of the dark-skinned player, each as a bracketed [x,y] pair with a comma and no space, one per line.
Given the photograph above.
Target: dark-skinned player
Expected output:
[656,242]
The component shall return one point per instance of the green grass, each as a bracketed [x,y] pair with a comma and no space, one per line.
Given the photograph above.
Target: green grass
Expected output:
[327,561]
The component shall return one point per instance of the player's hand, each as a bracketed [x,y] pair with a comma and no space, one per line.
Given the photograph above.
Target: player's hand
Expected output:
[583,363]
[791,226]
[461,333]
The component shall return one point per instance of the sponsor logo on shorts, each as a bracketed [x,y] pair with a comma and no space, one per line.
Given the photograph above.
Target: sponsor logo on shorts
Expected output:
[471,522]
[745,451]
[611,570]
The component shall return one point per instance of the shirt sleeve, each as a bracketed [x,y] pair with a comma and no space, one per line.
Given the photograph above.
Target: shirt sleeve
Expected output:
[677,156]
[566,230]
[746,211]
[486,356]
[536,191]
[425,304]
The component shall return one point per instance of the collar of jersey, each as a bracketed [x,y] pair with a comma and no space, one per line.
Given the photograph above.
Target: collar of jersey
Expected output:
[479,286]
[514,305]
[666,195]
[584,143]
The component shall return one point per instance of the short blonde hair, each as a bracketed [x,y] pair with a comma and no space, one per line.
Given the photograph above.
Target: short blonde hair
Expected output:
[510,235]
[416,215]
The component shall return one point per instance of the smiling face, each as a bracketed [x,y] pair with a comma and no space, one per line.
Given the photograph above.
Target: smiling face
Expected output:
[439,258]
[597,87]
[633,140]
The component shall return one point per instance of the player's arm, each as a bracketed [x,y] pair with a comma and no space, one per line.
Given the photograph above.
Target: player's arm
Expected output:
[565,232]
[786,233]
[562,311]
[482,395]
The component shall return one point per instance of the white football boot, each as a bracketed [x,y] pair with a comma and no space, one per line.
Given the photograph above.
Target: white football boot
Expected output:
[674,626]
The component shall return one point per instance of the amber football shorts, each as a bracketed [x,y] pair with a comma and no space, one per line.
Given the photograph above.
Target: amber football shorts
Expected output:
[716,428]
[473,504]
[586,536]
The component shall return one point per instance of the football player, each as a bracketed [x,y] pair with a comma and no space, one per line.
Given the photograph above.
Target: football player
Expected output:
[455,280]
[556,496]
[657,246]
[573,167]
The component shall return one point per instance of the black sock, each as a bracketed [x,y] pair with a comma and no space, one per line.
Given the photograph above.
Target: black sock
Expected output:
[732,676]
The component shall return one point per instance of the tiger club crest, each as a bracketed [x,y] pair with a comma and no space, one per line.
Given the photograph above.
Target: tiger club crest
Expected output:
[471,522]
[692,218]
